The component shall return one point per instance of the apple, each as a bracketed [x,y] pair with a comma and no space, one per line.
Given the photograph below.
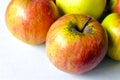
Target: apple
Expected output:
[29,20]
[54,0]
[76,43]
[112,25]
[114,6]
[92,8]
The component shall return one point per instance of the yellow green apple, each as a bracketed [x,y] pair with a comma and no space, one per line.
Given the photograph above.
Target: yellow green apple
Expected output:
[76,43]
[92,8]
[29,20]
[112,25]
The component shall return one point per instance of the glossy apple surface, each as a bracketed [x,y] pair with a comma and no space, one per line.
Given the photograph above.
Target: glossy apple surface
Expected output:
[29,20]
[76,44]
[112,25]
[93,8]
[115,6]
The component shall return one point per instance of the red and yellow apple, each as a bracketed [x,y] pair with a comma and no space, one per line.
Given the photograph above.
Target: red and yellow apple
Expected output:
[29,20]
[112,25]
[114,6]
[76,43]
[93,8]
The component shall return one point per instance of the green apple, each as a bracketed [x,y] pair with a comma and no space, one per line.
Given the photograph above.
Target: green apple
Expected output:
[93,8]
[76,43]
[114,6]
[29,20]
[112,25]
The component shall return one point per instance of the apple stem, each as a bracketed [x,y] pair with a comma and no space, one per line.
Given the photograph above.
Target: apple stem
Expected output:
[85,24]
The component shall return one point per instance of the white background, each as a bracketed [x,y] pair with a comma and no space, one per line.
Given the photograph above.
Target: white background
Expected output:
[20,61]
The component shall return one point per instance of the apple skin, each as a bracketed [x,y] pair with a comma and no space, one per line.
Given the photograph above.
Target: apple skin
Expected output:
[114,6]
[73,51]
[29,20]
[112,25]
[54,1]
[92,8]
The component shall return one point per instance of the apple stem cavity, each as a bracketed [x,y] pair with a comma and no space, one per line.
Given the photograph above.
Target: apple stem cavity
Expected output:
[75,28]
[85,24]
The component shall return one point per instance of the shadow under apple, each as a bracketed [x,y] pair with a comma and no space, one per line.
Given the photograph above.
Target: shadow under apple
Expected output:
[106,68]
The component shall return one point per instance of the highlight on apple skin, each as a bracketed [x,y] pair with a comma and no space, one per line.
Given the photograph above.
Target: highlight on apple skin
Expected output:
[29,20]
[76,43]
